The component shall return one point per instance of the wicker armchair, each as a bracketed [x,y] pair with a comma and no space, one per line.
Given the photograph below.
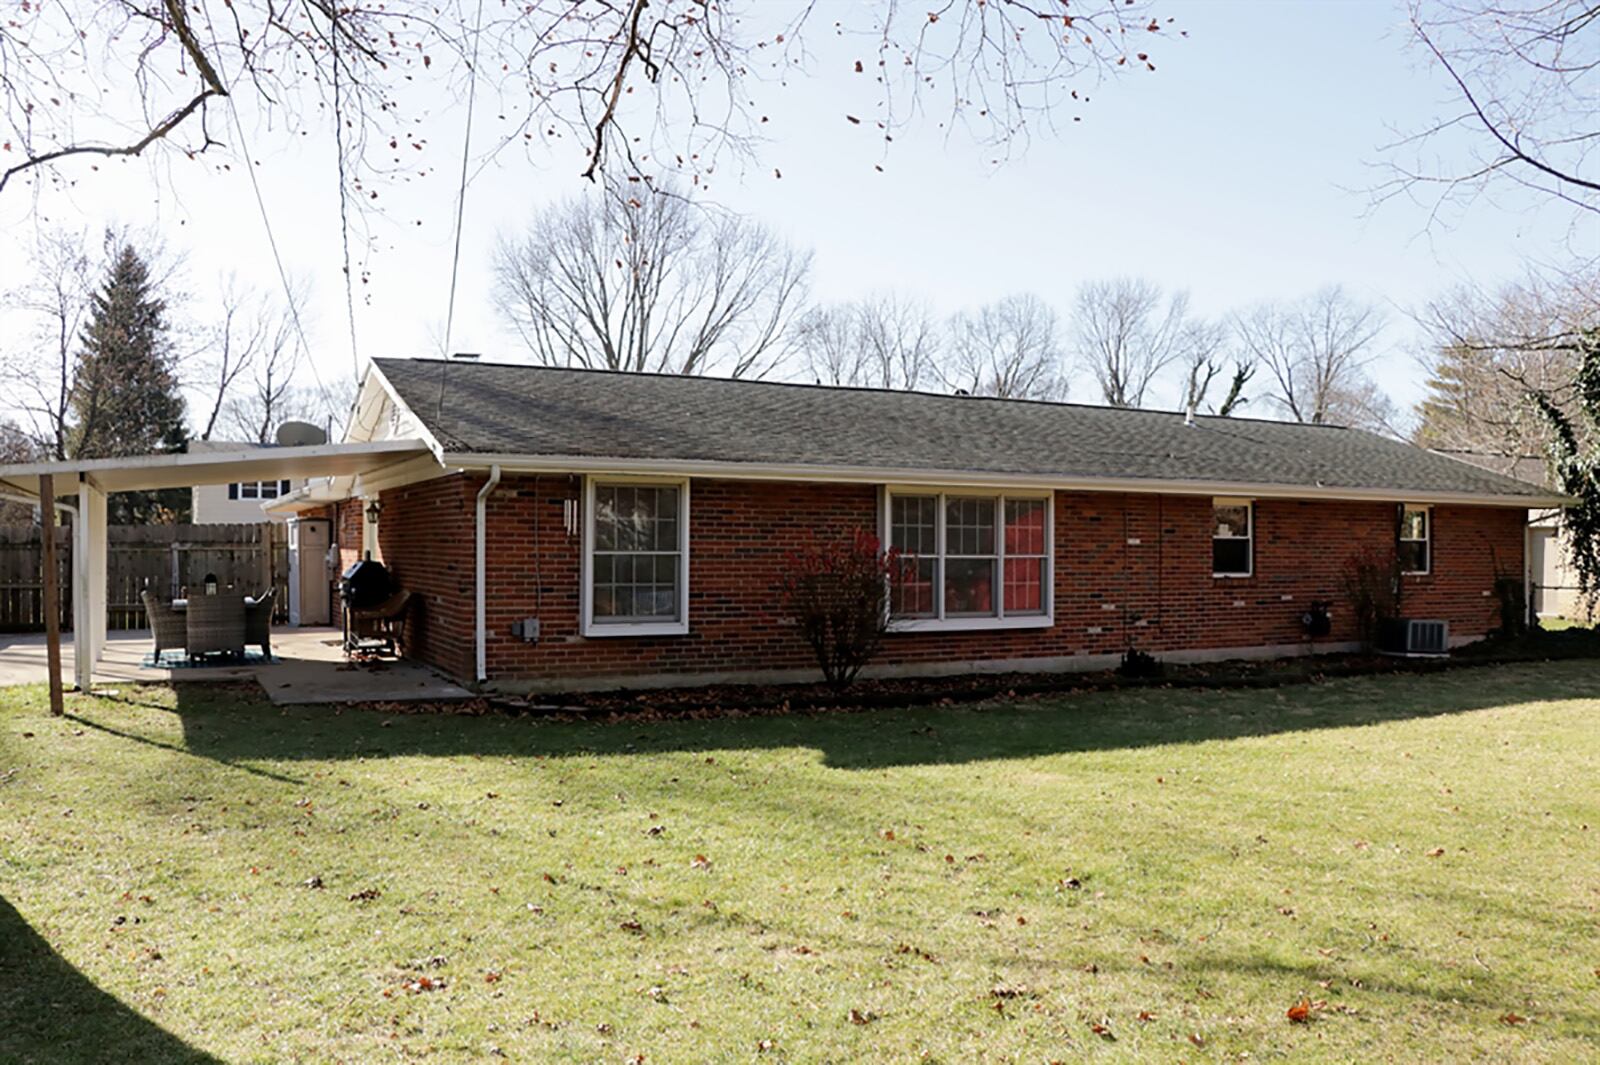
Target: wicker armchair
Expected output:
[258,622]
[167,623]
[215,623]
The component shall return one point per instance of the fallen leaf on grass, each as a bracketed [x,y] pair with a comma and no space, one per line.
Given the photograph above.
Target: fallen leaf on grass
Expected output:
[1437,852]
[906,948]
[700,862]
[857,1017]
[1513,1019]
[422,984]
[1102,1028]
[1300,1012]
[1197,1039]
[364,895]
[632,926]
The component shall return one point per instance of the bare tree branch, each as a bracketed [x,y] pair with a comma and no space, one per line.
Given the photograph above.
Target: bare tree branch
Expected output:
[1128,332]
[880,341]
[1524,113]
[653,284]
[1010,349]
[1315,350]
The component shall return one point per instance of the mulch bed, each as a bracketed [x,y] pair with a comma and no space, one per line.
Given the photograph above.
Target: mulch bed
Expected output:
[735,700]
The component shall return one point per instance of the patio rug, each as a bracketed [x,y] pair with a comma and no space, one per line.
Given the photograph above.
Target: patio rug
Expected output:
[181,660]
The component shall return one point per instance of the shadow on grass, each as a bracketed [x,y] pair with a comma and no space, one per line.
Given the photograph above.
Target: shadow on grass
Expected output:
[234,726]
[50,1012]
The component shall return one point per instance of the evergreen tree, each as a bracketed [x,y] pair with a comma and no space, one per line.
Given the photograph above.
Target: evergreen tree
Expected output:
[125,396]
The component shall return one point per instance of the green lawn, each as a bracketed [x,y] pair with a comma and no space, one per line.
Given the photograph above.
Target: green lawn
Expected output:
[1143,875]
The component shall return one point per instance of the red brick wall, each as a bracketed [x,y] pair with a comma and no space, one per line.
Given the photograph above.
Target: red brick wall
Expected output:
[348,522]
[1157,594]
[425,537]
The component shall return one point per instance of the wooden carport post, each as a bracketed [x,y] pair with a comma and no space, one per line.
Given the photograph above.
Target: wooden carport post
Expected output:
[52,600]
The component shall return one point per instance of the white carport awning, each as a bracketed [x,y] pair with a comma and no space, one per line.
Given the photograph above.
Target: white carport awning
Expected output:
[91,480]
[142,472]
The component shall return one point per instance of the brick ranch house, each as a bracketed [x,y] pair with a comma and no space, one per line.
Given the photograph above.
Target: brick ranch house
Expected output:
[641,522]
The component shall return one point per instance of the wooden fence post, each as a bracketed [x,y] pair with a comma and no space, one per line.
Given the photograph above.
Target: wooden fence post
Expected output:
[52,612]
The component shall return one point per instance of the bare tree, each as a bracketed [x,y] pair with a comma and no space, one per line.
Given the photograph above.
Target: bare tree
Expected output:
[1492,349]
[248,324]
[1315,351]
[1201,358]
[880,341]
[275,392]
[659,284]
[1010,349]
[39,375]
[1243,371]
[641,84]
[1128,332]
[1524,108]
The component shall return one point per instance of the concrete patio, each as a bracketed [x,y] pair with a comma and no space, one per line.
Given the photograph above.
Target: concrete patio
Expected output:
[307,667]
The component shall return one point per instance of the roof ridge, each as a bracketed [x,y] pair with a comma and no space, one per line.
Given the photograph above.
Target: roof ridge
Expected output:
[867,389]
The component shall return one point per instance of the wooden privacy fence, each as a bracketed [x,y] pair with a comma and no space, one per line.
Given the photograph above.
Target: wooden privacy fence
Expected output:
[170,560]
[21,566]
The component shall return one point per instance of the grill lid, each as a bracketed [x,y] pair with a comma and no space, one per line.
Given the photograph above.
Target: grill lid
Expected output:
[366,583]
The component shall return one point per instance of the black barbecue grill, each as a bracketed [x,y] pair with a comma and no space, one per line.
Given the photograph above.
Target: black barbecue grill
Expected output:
[365,585]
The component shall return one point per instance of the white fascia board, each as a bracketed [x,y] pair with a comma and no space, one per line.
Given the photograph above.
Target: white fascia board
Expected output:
[184,470]
[965,478]
[417,425]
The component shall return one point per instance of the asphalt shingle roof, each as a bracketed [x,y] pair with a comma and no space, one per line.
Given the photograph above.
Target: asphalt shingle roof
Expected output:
[497,408]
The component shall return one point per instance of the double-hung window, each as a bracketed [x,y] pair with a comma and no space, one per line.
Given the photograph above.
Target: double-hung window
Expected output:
[970,559]
[1233,532]
[258,489]
[1415,546]
[636,558]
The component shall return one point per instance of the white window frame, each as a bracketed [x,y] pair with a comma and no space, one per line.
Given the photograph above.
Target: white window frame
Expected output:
[999,620]
[676,627]
[1427,537]
[256,495]
[1249,506]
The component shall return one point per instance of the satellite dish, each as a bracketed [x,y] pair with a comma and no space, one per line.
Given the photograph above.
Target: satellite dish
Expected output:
[300,434]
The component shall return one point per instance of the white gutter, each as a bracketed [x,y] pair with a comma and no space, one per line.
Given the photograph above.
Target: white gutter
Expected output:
[480,600]
[755,471]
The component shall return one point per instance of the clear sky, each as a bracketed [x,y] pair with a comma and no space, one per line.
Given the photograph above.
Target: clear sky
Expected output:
[1239,171]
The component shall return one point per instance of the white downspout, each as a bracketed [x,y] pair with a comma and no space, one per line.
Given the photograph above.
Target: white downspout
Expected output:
[479,605]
